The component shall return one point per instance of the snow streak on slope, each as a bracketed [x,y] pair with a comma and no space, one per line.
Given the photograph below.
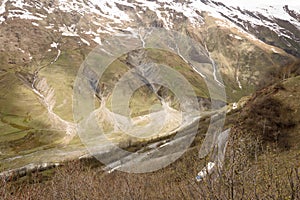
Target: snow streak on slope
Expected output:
[104,8]
[272,7]
[112,15]
[2,6]
[263,13]
[164,9]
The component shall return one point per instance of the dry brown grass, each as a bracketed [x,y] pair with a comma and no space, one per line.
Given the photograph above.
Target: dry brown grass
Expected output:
[270,174]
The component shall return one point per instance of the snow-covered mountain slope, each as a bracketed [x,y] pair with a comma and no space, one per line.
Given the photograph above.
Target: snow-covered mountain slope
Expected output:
[281,19]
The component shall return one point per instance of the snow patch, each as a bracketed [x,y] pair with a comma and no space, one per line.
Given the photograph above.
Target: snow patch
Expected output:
[97,39]
[2,19]
[49,10]
[236,36]
[54,45]
[51,26]
[23,14]
[68,31]
[34,24]
[152,5]
[85,41]
[40,15]
[2,7]
[110,10]
[20,4]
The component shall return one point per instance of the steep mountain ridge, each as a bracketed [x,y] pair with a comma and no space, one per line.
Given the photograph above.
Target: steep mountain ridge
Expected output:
[273,22]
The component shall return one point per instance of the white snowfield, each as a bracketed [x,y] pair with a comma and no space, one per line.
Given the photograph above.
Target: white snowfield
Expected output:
[110,16]
[164,9]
